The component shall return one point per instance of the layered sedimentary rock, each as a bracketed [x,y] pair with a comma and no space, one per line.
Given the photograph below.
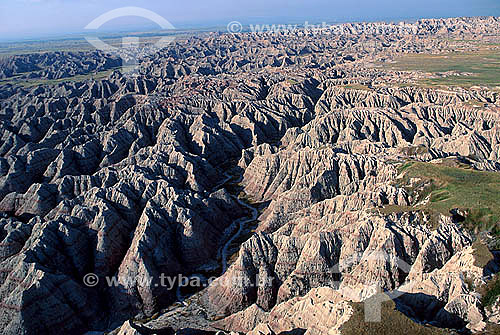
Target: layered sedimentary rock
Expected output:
[135,178]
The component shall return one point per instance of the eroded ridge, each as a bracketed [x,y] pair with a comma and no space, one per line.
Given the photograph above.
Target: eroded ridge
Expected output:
[323,173]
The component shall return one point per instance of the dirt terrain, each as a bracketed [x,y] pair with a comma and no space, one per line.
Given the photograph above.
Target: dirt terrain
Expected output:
[302,170]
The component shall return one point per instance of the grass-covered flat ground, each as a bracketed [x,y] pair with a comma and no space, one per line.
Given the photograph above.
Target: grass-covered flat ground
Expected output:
[77,43]
[453,185]
[37,82]
[392,322]
[438,189]
[477,68]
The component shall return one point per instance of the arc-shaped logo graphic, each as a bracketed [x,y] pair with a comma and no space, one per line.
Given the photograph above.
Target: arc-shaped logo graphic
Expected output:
[123,12]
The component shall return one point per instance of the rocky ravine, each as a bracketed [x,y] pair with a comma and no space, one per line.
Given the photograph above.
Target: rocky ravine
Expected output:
[122,177]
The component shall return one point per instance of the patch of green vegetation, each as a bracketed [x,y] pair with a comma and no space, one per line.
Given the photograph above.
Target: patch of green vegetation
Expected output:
[28,83]
[77,42]
[393,322]
[415,150]
[405,166]
[390,209]
[492,329]
[490,291]
[482,255]
[470,283]
[452,185]
[358,87]
[483,67]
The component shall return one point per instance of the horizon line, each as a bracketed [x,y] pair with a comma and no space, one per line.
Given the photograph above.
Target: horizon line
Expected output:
[203,27]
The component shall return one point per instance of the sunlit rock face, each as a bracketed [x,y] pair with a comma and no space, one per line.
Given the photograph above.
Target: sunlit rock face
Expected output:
[141,177]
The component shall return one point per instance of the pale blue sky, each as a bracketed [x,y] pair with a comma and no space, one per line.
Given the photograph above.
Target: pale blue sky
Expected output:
[42,17]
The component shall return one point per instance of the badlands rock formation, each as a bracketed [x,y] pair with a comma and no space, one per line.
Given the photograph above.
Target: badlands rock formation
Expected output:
[138,178]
